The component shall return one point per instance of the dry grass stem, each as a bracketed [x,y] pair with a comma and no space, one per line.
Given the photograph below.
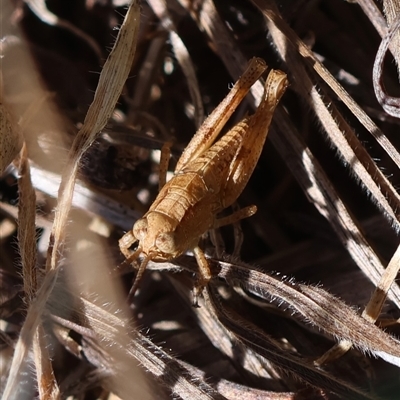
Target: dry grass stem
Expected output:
[374,15]
[392,10]
[40,9]
[112,79]
[389,103]
[10,135]
[183,57]
[47,385]
[26,226]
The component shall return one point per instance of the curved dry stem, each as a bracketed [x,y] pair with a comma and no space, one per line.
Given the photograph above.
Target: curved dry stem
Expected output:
[390,104]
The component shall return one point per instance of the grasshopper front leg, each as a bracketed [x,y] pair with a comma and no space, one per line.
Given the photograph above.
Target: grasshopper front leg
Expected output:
[204,275]
[204,267]
[125,243]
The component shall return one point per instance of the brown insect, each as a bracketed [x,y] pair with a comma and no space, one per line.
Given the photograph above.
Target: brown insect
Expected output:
[208,178]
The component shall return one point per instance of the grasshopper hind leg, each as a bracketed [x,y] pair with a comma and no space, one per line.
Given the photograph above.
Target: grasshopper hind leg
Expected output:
[238,215]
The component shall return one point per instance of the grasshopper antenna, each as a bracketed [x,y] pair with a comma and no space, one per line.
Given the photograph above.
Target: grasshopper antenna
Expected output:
[129,260]
[139,274]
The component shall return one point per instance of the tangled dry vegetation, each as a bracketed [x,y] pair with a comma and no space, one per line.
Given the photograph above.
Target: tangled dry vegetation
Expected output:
[303,303]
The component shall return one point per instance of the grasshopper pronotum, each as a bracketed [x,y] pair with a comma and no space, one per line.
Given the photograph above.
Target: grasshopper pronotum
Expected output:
[208,178]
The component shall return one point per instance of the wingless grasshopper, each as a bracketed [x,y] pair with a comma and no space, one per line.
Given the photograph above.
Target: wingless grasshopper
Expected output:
[209,177]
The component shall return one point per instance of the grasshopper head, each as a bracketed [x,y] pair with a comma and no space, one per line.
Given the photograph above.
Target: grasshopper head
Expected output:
[156,235]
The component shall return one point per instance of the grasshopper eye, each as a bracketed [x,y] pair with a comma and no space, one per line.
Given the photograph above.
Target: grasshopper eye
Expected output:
[166,242]
[140,229]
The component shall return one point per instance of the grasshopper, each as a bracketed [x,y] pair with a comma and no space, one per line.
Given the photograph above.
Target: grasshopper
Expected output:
[209,177]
